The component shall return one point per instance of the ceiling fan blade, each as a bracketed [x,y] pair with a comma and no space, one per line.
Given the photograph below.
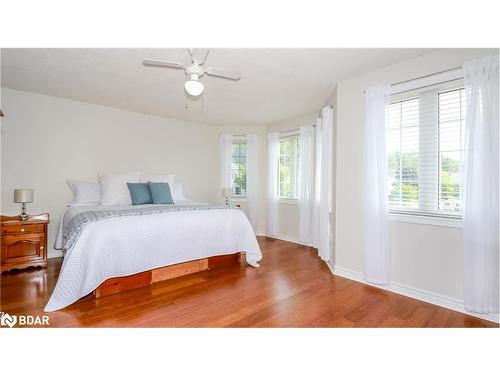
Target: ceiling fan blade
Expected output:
[222,73]
[163,64]
[198,55]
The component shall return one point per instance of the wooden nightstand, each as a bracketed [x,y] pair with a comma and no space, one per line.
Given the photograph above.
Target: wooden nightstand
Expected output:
[24,243]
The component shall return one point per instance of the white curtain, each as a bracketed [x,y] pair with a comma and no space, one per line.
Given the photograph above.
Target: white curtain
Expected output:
[322,206]
[272,183]
[306,183]
[317,186]
[481,190]
[252,179]
[375,206]
[225,149]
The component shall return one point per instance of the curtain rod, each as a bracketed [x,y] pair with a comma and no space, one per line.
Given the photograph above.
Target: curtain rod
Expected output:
[425,76]
[281,132]
[293,130]
[234,135]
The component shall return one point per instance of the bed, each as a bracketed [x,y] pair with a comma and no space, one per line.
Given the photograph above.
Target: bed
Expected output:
[107,242]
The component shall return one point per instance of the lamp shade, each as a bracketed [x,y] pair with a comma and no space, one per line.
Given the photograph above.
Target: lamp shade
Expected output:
[226,192]
[23,195]
[194,87]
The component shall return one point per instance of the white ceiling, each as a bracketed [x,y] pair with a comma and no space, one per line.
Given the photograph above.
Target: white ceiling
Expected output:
[276,84]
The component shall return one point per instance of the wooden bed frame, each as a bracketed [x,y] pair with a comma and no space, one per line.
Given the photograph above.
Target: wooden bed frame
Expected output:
[139,280]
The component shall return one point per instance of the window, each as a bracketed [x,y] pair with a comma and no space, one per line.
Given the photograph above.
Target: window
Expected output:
[451,149]
[288,167]
[425,142]
[239,169]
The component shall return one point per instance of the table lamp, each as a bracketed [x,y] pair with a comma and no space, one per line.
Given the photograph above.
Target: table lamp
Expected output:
[23,196]
[226,194]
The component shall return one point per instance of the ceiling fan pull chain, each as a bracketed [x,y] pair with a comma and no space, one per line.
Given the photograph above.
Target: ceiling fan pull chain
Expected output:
[186,101]
[203,101]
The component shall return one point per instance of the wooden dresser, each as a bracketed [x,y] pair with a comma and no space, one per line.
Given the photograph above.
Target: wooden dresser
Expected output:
[24,243]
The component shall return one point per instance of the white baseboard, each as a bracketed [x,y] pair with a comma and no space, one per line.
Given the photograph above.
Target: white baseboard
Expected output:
[421,295]
[405,290]
[287,238]
[284,237]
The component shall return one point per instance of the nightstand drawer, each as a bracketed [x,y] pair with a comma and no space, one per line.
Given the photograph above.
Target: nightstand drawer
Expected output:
[22,229]
[25,248]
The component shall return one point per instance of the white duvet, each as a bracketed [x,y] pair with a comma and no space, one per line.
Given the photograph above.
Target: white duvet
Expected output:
[125,245]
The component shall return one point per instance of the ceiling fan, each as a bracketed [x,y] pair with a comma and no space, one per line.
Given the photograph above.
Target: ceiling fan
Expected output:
[194,71]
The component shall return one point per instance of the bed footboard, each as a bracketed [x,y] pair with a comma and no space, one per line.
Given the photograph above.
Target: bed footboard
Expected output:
[139,280]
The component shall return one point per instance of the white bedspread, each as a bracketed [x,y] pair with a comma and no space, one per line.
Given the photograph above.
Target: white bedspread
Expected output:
[125,245]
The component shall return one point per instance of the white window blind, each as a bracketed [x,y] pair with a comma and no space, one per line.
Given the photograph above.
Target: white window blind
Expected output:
[239,169]
[288,167]
[425,143]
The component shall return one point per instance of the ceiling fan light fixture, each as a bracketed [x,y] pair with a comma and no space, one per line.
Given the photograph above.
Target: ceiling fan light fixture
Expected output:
[193,86]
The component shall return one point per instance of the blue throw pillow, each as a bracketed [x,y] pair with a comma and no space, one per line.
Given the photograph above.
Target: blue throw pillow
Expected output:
[160,191]
[139,193]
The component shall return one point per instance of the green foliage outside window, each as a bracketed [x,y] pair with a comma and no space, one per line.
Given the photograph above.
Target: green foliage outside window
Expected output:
[404,190]
[239,169]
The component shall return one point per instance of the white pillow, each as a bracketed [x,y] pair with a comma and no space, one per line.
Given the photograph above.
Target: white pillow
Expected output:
[158,177]
[114,189]
[84,192]
[176,190]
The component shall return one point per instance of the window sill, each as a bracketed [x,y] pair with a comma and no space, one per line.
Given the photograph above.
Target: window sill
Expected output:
[238,199]
[426,220]
[288,201]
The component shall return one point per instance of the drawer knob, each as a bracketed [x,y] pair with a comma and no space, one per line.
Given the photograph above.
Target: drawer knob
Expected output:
[41,247]
[22,229]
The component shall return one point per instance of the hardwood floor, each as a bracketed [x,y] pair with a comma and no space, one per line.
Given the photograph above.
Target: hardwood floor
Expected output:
[292,288]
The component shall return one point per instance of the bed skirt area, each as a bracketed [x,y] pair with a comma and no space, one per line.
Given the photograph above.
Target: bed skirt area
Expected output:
[121,284]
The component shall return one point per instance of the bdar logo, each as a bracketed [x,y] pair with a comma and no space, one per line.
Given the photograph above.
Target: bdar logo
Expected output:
[23,320]
[8,320]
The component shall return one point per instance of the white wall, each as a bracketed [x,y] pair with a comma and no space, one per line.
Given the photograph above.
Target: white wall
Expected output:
[425,257]
[46,140]
[288,213]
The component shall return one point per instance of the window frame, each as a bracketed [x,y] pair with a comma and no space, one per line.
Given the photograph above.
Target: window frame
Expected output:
[296,135]
[240,141]
[462,97]
[420,216]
